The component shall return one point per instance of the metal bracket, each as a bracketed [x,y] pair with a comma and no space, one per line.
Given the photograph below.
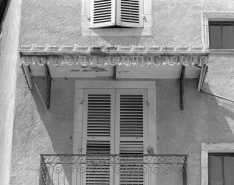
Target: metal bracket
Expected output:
[48,86]
[27,75]
[182,77]
[114,72]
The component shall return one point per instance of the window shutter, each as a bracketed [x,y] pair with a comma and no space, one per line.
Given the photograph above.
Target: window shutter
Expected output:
[102,13]
[131,138]
[98,134]
[130,13]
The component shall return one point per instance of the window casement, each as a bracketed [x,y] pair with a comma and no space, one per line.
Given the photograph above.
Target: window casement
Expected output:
[115,122]
[117,118]
[110,119]
[221,168]
[221,34]
[120,13]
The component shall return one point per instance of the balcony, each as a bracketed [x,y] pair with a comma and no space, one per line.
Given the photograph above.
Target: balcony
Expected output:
[87,169]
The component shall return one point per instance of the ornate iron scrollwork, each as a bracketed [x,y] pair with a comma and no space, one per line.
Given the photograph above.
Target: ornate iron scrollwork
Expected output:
[118,164]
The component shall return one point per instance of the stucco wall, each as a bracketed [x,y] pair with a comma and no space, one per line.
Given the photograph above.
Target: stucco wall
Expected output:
[177,22]
[8,61]
[205,119]
[40,131]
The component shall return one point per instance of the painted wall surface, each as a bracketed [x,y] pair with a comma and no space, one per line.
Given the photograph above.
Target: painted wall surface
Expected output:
[39,131]
[205,119]
[177,22]
[8,61]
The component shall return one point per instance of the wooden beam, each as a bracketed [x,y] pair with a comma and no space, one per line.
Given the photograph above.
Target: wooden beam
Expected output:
[48,86]
[182,77]
[114,72]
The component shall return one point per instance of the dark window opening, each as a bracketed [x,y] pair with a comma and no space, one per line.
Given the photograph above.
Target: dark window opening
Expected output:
[221,35]
[221,169]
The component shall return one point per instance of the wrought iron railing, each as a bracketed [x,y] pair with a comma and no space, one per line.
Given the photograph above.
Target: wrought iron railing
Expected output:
[82,169]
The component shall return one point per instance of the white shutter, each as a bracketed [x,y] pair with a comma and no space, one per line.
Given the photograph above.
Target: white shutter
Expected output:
[102,13]
[131,134]
[115,122]
[98,135]
[130,13]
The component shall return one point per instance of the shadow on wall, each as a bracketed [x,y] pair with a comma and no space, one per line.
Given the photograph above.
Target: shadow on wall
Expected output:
[118,40]
[40,131]
[205,119]
[58,121]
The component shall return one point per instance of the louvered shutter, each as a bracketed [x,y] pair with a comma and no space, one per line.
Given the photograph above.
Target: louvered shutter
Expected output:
[130,13]
[131,134]
[98,134]
[102,13]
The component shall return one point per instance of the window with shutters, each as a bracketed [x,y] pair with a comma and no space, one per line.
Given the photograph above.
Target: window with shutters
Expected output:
[125,13]
[116,15]
[113,117]
[115,122]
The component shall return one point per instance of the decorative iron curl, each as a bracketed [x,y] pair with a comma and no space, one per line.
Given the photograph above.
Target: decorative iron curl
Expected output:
[81,168]
[69,168]
[57,168]
[145,163]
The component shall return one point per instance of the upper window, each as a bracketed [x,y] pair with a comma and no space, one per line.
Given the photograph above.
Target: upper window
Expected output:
[123,13]
[116,17]
[221,35]
[221,168]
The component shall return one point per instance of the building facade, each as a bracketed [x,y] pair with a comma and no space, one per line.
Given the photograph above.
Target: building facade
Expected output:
[125,92]
[10,12]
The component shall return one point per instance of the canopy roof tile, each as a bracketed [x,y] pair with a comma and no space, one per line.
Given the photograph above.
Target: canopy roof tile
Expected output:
[132,50]
[118,55]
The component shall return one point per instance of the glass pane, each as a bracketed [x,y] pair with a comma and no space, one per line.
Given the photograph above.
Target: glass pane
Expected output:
[215,170]
[215,37]
[229,170]
[228,37]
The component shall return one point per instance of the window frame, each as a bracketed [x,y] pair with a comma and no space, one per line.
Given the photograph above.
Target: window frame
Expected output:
[210,16]
[80,85]
[218,154]
[220,23]
[212,148]
[113,31]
